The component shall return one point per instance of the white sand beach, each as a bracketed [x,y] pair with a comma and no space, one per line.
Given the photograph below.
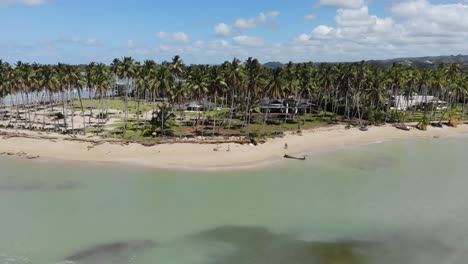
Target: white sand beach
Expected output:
[204,156]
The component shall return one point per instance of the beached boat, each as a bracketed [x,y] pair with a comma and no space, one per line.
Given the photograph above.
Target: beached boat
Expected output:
[403,127]
[364,128]
[291,157]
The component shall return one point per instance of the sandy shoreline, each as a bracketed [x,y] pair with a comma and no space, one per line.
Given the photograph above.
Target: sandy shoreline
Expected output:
[203,156]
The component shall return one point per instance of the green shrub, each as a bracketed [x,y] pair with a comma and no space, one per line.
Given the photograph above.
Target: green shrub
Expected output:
[57,115]
[424,123]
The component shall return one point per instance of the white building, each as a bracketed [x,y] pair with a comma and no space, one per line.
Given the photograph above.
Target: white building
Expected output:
[403,102]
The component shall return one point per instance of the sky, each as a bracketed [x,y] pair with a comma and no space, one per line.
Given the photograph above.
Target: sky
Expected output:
[213,31]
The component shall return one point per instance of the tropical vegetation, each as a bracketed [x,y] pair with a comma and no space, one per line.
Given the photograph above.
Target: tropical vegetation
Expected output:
[144,99]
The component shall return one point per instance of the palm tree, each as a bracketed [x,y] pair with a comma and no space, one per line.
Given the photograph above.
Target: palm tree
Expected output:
[375,93]
[5,81]
[274,89]
[291,88]
[103,79]
[464,84]
[254,81]
[50,83]
[455,87]
[217,84]
[438,84]
[162,86]
[177,68]
[199,85]
[73,80]
[126,71]
[234,80]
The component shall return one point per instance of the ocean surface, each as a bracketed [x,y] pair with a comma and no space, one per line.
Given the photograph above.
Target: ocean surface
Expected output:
[392,202]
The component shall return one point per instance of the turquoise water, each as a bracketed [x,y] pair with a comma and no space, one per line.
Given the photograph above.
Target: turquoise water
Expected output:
[394,202]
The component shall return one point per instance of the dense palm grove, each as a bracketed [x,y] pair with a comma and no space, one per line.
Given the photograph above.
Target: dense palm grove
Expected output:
[353,92]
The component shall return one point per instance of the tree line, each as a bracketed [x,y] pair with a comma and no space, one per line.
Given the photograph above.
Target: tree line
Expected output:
[346,91]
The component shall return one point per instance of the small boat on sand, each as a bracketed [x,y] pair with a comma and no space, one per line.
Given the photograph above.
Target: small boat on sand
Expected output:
[295,158]
[403,127]
[364,128]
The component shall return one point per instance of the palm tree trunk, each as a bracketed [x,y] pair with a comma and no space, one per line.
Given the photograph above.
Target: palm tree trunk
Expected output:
[214,115]
[232,111]
[126,107]
[266,116]
[82,111]
[72,109]
[102,113]
[64,111]
[463,107]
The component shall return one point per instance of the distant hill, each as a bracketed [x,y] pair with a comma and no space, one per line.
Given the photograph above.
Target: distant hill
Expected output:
[429,62]
[425,62]
[273,65]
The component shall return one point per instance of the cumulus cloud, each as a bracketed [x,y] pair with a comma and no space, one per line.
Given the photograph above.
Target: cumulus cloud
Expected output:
[409,28]
[414,28]
[223,29]
[90,42]
[24,2]
[249,23]
[131,44]
[249,41]
[173,36]
[342,3]
[310,17]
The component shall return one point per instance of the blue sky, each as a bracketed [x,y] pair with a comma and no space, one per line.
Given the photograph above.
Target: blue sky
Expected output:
[209,31]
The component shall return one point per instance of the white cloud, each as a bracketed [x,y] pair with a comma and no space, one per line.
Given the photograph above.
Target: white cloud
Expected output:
[302,38]
[310,17]
[79,41]
[173,36]
[91,42]
[274,14]
[342,3]
[249,41]
[322,31]
[131,44]
[24,2]
[249,23]
[409,28]
[414,28]
[223,29]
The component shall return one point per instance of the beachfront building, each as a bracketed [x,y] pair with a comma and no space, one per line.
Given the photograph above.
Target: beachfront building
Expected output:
[285,106]
[403,102]
[195,106]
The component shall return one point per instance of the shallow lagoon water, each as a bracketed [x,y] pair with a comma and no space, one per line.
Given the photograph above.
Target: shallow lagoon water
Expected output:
[394,202]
